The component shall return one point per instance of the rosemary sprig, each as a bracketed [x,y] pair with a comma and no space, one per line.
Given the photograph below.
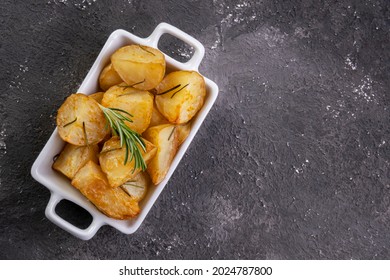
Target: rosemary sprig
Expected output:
[129,138]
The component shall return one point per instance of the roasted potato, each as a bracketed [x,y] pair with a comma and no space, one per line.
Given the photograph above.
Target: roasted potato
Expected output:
[80,121]
[180,96]
[114,202]
[109,77]
[159,108]
[139,66]
[183,130]
[157,118]
[98,96]
[138,186]
[164,137]
[72,158]
[112,159]
[138,103]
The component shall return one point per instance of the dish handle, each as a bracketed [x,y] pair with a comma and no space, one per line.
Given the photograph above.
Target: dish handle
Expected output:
[199,51]
[84,234]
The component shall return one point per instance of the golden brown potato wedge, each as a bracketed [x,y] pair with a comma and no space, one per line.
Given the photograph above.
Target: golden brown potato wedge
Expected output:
[157,118]
[72,158]
[164,137]
[183,130]
[98,96]
[109,77]
[112,158]
[101,143]
[138,103]
[80,121]
[138,186]
[114,202]
[139,66]
[180,96]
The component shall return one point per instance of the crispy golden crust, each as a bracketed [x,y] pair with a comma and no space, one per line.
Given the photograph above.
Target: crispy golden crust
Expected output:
[180,96]
[98,96]
[138,103]
[114,202]
[183,130]
[164,137]
[141,66]
[109,77]
[157,118]
[138,186]
[78,116]
[72,158]
[112,159]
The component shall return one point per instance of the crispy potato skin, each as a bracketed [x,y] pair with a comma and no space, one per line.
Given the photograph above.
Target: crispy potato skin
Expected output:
[138,186]
[183,130]
[141,66]
[138,103]
[164,137]
[72,158]
[109,77]
[157,118]
[161,109]
[78,109]
[112,159]
[180,105]
[98,96]
[114,202]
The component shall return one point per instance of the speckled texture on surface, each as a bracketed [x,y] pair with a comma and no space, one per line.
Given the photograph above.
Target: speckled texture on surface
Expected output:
[291,163]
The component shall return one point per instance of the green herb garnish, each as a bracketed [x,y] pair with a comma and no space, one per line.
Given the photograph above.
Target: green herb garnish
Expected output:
[129,138]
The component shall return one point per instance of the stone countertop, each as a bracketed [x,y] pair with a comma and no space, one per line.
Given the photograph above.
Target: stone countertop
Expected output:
[291,163]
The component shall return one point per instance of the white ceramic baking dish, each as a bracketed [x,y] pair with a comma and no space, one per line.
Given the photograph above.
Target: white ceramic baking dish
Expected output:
[60,186]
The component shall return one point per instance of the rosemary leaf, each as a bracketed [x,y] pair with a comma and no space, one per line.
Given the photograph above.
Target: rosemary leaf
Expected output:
[130,139]
[69,123]
[170,135]
[121,116]
[137,83]
[164,92]
[179,90]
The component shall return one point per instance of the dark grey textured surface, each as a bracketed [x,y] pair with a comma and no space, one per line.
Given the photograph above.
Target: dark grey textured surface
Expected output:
[292,162]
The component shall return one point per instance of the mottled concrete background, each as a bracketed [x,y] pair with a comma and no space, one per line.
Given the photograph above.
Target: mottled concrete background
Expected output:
[292,162]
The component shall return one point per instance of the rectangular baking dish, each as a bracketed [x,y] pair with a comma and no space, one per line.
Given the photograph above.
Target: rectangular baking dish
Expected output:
[60,186]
